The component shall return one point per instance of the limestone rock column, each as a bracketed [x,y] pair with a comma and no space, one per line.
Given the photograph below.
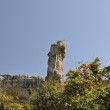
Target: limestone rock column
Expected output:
[55,70]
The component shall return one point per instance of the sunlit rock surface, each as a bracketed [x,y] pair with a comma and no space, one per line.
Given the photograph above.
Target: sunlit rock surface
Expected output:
[56,55]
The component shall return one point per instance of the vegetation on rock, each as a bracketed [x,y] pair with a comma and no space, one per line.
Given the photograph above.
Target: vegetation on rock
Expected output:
[85,88]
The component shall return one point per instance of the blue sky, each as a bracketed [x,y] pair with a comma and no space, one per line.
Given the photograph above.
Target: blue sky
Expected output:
[29,27]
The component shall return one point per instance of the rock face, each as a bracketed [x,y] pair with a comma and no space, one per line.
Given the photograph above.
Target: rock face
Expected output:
[20,85]
[56,55]
[23,81]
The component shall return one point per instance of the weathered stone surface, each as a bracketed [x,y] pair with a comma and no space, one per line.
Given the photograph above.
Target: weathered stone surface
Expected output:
[23,81]
[56,55]
[20,85]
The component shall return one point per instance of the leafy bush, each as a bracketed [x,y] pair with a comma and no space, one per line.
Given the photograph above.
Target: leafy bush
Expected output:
[47,97]
[8,103]
[85,88]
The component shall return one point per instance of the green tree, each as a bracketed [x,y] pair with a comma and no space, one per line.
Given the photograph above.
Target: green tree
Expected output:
[85,88]
[9,103]
[47,97]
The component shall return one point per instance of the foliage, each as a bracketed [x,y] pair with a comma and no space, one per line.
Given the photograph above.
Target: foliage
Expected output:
[85,88]
[8,103]
[47,97]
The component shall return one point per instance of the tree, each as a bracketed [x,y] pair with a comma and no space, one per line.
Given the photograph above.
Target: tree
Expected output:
[7,103]
[47,97]
[85,88]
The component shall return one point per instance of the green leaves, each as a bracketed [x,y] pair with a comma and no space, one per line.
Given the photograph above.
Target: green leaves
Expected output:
[48,96]
[85,88]
[8,103]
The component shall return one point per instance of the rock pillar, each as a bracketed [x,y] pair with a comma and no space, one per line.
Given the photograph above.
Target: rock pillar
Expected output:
[56,55]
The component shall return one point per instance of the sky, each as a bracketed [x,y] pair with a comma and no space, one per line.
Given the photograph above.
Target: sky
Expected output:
[29,27]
